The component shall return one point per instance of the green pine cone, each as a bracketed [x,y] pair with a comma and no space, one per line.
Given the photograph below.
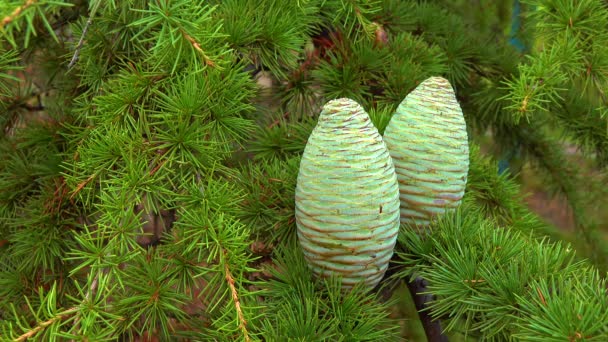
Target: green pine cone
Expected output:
[427,139]
[347,197]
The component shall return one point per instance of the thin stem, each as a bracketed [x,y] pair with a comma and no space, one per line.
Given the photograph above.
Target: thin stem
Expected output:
[84,33]
[43,325]
[237,303]
[9,18]
[90,292]
[197,46]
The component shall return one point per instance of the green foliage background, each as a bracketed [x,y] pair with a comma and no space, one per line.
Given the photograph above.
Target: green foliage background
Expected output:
[125,118]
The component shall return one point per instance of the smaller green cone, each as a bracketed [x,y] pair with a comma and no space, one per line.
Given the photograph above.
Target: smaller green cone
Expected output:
[427,140]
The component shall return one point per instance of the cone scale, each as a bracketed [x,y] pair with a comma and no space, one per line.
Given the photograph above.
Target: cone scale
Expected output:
[427,140]
[347,197]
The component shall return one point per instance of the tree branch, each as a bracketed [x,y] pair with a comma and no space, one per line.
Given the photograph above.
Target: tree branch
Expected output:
[84,33]
[9,18]
[197,46]
[237,303]
[43,325]
[88,296]
[432,328]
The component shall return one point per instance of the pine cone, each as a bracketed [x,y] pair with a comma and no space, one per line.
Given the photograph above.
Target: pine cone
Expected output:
[427,140]
[347,197]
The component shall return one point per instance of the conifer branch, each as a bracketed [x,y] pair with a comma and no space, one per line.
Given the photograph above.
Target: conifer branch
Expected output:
[87,297]
[42,325]
[157,167]
[540,295]
[197,47]
[82,184]
[482,273]
[9,18]
[84,33]
[237,302]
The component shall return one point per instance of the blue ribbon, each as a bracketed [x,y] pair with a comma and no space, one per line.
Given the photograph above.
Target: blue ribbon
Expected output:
[515,25]
[503,164]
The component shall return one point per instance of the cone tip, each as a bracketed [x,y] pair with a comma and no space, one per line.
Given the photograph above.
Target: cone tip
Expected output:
[341,104]
[437,81]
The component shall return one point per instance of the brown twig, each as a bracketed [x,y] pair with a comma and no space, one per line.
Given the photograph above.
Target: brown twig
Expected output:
[524,105]
[80,43]
[43,325]
[82,185]
[542,298]
[157,167]
[9,18]
[32,108]
[278,121]
[237,303]
[84,33]
[197,47]
[61,190]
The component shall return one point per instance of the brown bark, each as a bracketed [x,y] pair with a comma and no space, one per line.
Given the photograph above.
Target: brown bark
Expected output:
[432,328]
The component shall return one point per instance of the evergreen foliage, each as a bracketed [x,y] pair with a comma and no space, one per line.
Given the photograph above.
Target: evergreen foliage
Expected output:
[147,180]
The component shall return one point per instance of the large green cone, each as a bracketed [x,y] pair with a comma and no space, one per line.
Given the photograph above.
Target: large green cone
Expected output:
[347,197]
[427,139]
